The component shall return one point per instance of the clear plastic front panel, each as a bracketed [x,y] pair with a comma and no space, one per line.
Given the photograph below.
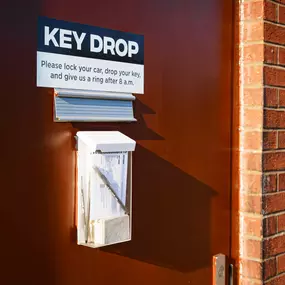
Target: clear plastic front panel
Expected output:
[104,197]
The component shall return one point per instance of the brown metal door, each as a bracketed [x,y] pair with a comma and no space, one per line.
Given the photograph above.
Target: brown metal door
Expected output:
[181,175]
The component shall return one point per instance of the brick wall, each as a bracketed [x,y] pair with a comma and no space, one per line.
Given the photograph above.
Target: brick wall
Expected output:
[273,143]
[262,142]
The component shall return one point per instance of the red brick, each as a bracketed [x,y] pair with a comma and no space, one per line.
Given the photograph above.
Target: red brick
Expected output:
[252,226]
[281,223]
[256,10]
[270,11]
[274,119]
[252,10]
[274,246]
[274,34]
[251,204]
[253,96]
[253,31]
[274,161]
[271,119]
[252,118]
[251,161]
[251,183]
[281,98]
[269,268]
[270,226]
[281,186]
[251,269]
[253,74]
[270,140]
[281,263]
[270,97]
[279,280]
[274,76]
[282,14]
[270,54]
[281,139]
[269,183]
[252,248]
[254,53]
[274,202]
[251,140]
[281,55]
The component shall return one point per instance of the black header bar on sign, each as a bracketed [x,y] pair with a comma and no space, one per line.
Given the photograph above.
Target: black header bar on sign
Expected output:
[60,37]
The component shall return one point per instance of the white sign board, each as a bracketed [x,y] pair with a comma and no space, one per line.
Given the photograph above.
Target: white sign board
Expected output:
[76,56]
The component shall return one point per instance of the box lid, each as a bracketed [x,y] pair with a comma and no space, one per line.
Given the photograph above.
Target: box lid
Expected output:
[107,141]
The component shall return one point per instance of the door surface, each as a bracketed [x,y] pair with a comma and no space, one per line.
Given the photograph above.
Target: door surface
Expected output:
[181,174]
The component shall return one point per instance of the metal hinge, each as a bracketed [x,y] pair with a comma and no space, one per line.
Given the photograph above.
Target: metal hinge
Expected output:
[222,271]
[231,274]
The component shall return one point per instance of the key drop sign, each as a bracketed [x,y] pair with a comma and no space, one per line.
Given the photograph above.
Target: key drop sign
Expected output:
[75,56]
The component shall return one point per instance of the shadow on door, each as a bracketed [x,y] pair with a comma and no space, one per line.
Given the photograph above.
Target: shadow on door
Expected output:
[171,209]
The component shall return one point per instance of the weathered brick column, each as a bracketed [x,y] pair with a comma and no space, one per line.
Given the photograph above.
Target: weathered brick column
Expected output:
[261,145]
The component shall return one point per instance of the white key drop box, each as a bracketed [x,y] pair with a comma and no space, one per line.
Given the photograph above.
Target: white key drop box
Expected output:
[104,174]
